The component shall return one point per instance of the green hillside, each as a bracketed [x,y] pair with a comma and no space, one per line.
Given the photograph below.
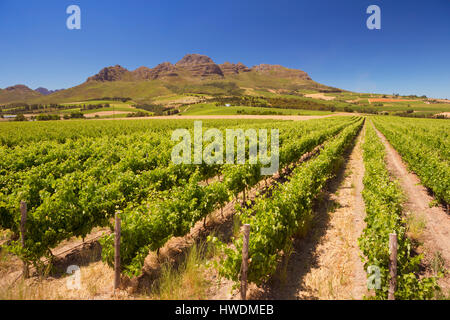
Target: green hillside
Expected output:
[18,93]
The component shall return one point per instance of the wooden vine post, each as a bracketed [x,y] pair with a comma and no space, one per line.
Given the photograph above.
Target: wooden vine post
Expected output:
[23,221]
[117,252]
[244,267]
[392,265]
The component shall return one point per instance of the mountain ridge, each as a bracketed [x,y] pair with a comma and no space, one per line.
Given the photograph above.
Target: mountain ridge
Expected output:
[194,73]
[45,91]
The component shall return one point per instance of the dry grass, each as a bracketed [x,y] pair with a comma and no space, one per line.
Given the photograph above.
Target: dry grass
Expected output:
[5,261]
[9,266]
[5,234]
[331,278]
[96,283]
[319,96]
[186,282]
[416,224]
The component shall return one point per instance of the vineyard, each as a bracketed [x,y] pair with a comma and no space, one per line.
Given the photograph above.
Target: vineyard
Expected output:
[425,147]
[383,198]
[77,176]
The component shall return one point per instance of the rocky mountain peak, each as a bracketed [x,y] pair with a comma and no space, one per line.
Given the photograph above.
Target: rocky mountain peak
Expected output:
[165,69]
[199,65]
[18,87]
[45,91]
[192,59]
[109,74]
[280,71]
[232,68]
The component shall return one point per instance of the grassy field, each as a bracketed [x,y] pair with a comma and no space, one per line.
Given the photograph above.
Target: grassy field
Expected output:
[211,109]
[95,102]
[114,106]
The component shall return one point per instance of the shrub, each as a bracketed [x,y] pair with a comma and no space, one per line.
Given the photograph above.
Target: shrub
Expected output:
[47,117]
[76,115]
[347,109]
[20,117]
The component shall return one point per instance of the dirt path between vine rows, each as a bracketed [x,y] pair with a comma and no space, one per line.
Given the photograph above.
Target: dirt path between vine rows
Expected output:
[326,264]
[436,234]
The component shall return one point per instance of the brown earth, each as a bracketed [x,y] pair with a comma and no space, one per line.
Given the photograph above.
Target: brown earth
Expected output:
[96,276]
[445,114]
[440,100]
[436,236]
[387,100]
[319,96]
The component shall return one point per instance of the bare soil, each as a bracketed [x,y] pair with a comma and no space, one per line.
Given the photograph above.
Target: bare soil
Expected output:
[436,235]
[320,96]
[445,114]
[388,100]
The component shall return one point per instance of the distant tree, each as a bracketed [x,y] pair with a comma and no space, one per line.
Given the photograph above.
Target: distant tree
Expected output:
[20,117]
[47,117]
[77,115]
[347,109]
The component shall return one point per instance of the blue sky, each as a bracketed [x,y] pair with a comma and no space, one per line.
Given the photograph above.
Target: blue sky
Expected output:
[327,39]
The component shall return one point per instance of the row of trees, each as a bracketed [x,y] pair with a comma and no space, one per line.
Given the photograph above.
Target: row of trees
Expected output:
[123,99]
[48,117]
[22,108]
[158,110]
[272,102]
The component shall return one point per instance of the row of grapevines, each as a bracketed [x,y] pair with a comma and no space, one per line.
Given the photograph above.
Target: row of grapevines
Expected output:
[74,186]
[432,133]
[275,220]
[241,177]
[14,134]
[427,160]
[149,225]
[383,199]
